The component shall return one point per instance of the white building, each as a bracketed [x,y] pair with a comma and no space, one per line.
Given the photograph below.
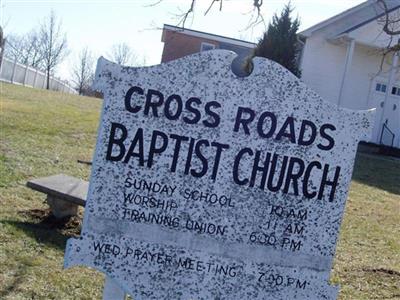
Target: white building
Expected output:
[342,61]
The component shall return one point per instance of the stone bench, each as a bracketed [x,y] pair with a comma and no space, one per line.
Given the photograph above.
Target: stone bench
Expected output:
[64,193]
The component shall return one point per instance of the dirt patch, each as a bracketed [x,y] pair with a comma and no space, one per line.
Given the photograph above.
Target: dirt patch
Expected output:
[69,226]
[383,271]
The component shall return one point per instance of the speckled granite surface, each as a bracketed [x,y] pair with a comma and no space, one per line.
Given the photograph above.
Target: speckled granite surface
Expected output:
[209,186]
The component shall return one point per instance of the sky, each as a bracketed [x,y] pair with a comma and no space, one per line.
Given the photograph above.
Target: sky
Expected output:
[99,24]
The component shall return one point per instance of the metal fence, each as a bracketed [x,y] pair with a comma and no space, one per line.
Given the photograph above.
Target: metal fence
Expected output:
[387,136]
[14,72]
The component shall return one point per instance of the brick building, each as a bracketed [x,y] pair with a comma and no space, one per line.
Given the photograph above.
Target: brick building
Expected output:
[179,42]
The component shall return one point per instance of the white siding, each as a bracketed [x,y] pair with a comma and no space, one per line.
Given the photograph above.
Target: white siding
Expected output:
[363,72]
[323,65]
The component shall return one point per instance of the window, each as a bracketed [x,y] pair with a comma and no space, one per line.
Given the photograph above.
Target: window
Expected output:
[396,91]
[206,46]
[380,87]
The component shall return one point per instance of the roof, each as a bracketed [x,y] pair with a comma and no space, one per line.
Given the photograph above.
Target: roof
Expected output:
[377,16]
[354,17]
[210,36]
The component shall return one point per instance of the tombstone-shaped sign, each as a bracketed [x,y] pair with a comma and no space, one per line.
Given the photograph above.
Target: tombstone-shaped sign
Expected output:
[205,185]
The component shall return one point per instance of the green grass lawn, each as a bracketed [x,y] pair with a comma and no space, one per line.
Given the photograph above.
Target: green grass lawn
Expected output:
[44,133]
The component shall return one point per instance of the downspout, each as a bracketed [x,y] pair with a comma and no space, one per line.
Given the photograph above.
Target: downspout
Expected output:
[300,59]
[349,58]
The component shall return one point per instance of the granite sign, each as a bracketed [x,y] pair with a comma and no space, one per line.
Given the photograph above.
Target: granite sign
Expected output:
[205,185]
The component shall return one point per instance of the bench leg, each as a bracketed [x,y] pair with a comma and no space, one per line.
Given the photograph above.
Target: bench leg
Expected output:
[112,291]
[61,208]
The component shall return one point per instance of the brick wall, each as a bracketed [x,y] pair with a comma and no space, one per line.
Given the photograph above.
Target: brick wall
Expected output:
[177,45]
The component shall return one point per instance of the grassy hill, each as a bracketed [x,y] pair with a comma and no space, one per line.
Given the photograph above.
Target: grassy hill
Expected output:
[44,133]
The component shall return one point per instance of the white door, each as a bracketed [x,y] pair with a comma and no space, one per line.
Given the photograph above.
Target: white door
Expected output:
[387,121]
[378,95]
[391,118]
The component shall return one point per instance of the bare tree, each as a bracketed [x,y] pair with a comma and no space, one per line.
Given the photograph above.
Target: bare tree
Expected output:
[390,22]
[32,54]
[14,46]
[83,71]
[2,44]
[53,45]
[25,49]
[122,54]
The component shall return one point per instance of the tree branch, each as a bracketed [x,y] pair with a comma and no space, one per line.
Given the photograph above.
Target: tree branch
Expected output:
[183,17]
[387,21]
[187,14]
